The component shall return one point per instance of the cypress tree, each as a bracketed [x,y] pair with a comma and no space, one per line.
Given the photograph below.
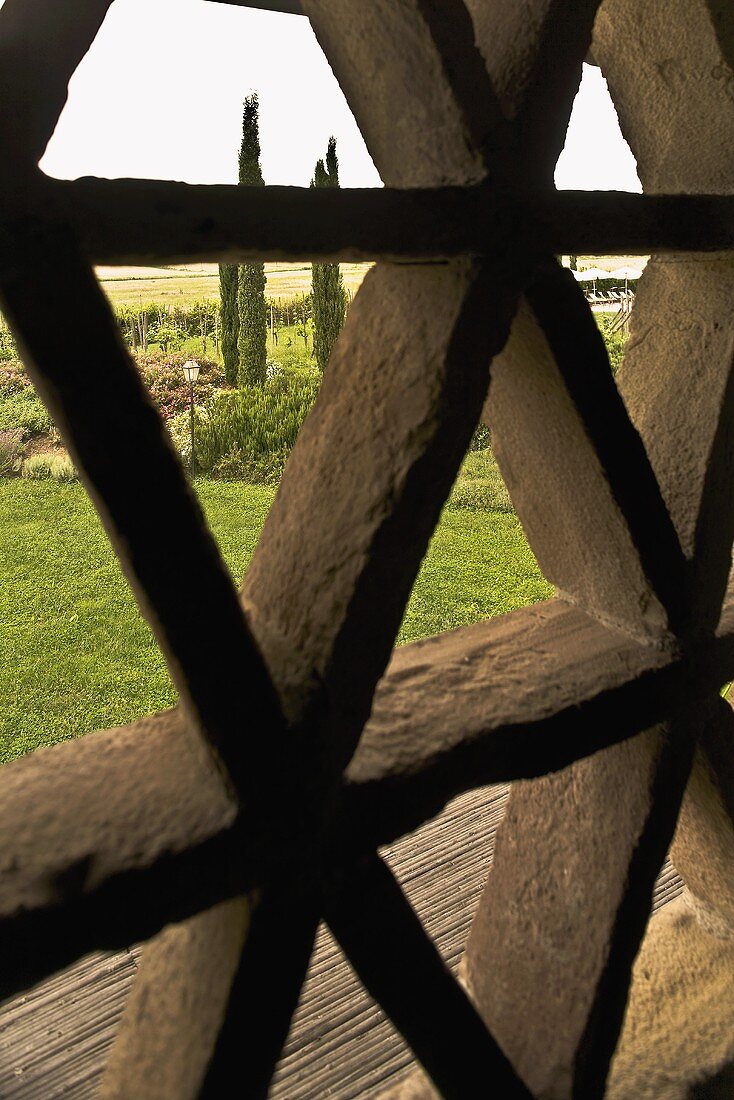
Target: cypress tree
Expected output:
[228,278]
[329,299]
[252,335]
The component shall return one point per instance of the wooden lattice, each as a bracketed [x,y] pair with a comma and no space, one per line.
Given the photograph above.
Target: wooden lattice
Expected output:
[301,743]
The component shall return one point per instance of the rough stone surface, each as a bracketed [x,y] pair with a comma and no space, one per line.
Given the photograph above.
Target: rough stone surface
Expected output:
[111,802]
[674,44]
[362,495]
[560,488]
[396,410]
[673,94]
[703,849]
[679,1026]
[670,76]
[677,381]
[546,940]
[192,962]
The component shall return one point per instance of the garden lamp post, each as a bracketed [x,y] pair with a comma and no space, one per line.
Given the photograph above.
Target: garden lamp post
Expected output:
[191,373]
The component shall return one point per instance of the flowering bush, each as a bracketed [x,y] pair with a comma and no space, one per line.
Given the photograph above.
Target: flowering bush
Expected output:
[169,389]
[13,377]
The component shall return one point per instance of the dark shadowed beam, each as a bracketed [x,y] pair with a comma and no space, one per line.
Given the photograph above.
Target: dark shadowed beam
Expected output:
[144,221]
[41,45]
[401,968]
[125,909]
[290,7]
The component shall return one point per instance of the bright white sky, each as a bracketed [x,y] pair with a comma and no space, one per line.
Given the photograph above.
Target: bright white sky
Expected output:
[159,96]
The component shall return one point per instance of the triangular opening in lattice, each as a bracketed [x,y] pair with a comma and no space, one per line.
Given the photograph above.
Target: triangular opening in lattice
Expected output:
[596,156]
[159,96]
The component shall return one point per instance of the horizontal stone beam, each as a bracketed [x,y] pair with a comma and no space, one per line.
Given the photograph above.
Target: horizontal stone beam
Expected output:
[128,829]
[154,222]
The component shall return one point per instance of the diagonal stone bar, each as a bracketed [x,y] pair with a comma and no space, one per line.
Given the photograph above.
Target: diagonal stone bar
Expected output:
[401,968]
[41,44]
[533,52]
[695,460]
[158,530]
[371,469]
[638,785]
[576,502]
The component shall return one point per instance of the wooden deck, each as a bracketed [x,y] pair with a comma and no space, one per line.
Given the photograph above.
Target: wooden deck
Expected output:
[54,1040]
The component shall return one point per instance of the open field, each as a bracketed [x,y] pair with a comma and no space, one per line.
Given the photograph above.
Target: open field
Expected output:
[75,654]
[195,282]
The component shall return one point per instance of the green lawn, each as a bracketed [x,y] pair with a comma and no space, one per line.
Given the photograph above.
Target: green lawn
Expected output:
[75,654]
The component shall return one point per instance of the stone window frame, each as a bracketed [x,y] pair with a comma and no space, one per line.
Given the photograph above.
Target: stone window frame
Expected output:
[224,830]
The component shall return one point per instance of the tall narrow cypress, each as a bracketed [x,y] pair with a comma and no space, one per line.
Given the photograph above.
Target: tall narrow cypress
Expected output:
[329,299]
[252,336]
[228,279]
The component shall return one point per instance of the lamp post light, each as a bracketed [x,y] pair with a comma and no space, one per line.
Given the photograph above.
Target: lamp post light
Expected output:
[191,373]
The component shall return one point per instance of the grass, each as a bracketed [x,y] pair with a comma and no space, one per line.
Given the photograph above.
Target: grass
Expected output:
[75,654]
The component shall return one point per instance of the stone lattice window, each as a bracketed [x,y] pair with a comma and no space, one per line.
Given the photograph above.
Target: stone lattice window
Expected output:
[301,742]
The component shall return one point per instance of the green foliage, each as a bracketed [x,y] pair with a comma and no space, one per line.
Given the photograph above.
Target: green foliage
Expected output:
[12,449]
[479,485]
[615,341]
[236,465]
[250,173]
[251,307]
[54,465]
[253,423]
[228,280]
[253,325]
[7,344]
[329,296]
[481,438]
[25,410]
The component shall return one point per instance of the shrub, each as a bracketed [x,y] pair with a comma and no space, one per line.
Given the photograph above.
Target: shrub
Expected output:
[7,344]
[479,485]
[54,465]
[11,451]
[238,466]
[13,377]
[25,410]
[167,386]
[255,426]
[481,438]
[615,341]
